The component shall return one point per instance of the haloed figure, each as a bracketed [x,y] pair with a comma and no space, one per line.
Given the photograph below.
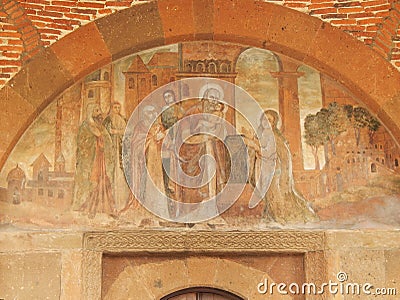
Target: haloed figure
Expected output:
[283,203]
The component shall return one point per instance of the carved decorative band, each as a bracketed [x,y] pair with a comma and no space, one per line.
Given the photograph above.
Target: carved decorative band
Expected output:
[207,241]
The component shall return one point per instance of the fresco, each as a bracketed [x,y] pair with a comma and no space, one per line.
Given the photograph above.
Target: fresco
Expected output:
[336,166]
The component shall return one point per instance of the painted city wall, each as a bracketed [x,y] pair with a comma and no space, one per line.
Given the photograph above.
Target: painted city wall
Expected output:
[332,165]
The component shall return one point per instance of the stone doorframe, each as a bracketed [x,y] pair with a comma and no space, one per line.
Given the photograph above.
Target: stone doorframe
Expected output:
[95,244]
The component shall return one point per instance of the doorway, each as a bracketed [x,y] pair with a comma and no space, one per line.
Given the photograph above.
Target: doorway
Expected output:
[201,293]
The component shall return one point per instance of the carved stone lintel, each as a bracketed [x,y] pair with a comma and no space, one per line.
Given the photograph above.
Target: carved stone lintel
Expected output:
[204,241]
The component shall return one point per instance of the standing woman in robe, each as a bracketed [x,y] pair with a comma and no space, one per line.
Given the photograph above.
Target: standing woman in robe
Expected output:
[283,203]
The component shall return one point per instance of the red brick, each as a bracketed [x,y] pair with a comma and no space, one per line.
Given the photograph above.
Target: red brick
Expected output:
[4,62]
[9,70]
[10,34]
[50,14]
[378,8]
[105,11]
[361,15]
[31,47]
[349,10]
[84,11]
[77,16]
[364,34]
[3,82]
[390,25]
[27,5]
[26,29]
[373,3]
[90,4]
[39,24]
[42,19]
[347,4]
[64,3]
[23,21]
[372,28]
[10,6]
[370,21]
[385,35]
[8,27]
[368,41]
[11,48]
[57,8]
[118,3]
[324,11]
[32,53]
[395,57]
[320,1]
[334,16]
[344,22]
[14,42]
[295,4]
[352,28]
[49,31]
[49,37]
[17,13]
[30,11]
[385,48]
[40,1]
[11,55]
[320,5]
[66,22]
[60,26]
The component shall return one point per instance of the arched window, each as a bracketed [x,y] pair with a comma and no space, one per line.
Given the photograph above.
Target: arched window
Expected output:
[212,68]
[90,94]
[396,162]
[200,67]
[223,68]
[106,76]
[154,80]
[201,293]
[131,83]
[373,168]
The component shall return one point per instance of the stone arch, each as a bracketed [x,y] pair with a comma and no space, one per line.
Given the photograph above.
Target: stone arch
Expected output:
[362,71]
[139,281]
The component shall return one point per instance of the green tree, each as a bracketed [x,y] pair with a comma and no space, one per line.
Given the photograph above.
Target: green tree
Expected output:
[315,134]
[361,118]
[337,122]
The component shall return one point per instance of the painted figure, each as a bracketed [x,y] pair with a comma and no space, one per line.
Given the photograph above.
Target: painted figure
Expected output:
[206,116]
[283,203]
[171,114]
[115,124]
[95,164]
[145,157]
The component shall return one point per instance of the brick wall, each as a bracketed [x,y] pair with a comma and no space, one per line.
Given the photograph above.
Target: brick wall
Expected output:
[29,25]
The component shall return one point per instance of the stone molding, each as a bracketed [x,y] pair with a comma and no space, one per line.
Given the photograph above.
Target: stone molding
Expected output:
[204,241]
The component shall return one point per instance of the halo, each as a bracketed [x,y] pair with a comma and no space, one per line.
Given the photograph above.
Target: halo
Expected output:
[210,85]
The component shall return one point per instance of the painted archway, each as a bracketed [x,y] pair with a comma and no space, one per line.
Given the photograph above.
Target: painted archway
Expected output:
[367,75]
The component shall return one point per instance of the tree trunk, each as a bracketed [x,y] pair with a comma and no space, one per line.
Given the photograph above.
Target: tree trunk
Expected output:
[316,159]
